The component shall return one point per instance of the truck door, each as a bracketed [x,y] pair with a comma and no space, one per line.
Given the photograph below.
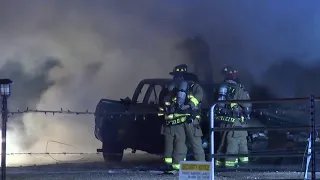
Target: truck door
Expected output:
[151,127]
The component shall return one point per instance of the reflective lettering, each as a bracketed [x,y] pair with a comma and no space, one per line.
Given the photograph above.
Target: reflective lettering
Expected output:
[195,167]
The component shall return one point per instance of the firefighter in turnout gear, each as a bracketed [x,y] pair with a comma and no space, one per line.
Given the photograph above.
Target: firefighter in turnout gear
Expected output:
[232,115]
[182,117]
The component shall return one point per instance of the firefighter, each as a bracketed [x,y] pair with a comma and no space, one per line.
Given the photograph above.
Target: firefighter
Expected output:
[232,115]
[182,118]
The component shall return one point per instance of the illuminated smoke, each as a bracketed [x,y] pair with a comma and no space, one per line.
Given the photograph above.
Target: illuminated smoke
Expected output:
[71,54]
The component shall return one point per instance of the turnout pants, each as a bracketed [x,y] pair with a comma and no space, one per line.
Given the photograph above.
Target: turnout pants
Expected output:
[233,142]
[176,138]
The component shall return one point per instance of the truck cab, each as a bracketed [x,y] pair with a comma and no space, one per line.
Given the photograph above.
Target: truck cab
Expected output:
[131,123]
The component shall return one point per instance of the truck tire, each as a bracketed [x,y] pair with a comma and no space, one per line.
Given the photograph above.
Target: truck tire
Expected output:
[111,146]
[112,152]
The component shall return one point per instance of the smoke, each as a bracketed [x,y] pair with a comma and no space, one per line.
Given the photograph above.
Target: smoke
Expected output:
[70,54]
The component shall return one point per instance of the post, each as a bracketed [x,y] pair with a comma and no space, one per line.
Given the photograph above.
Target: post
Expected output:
[5,93]
[212,140]
[308,158]
[313,138]
[4,137]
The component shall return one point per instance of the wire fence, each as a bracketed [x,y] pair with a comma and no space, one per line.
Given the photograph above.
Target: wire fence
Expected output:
[52,112]
[305,108]
[301,108]
[54,153]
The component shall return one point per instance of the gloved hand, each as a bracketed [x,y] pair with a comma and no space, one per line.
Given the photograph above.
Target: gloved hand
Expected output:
[182,109]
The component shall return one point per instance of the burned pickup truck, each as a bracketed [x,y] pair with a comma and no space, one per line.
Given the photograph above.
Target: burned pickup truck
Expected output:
[134,123]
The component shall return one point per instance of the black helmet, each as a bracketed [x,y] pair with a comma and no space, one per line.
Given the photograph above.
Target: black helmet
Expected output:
[230,73]
[181,71]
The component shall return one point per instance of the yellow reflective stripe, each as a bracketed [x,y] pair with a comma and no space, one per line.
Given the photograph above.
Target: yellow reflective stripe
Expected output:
[168,160]
[176,166]
[176,116]
[167,103]
[219,163]
[161,110]
[233,105]
[180,115]
[231,163]
[244,159]
[169,117]
[193,100]
[226,118]
[180,70]
[177,121]
[242,118]
[174,99]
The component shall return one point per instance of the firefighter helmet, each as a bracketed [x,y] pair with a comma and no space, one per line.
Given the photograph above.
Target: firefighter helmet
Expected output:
[181,71]
[230,73]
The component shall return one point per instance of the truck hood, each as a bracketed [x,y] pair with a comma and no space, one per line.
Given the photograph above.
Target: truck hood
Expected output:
[107,108]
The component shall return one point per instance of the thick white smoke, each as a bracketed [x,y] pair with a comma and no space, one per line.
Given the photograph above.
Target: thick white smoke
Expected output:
[95,65]
[107,47]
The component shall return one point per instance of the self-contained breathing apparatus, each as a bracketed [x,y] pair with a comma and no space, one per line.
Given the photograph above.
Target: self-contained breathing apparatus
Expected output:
[227,92]
[180,90]
[232,110]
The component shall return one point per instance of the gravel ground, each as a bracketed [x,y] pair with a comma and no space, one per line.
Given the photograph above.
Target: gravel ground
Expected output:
[122,175]
[134,167]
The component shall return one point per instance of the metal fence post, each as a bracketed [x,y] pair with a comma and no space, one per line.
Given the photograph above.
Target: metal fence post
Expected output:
[308,158]
[212,140]
[313,137]
[4,137]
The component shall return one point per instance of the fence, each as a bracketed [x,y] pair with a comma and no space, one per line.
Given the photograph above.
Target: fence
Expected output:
[311,145]
[312,137]
[6,114]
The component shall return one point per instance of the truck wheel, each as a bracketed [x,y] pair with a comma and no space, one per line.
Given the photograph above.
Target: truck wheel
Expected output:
[112,152]
[111,146]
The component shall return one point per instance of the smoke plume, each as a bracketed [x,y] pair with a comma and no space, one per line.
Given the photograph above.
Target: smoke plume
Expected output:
[70,54]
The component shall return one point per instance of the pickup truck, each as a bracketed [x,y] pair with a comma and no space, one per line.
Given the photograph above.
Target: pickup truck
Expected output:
[134,123]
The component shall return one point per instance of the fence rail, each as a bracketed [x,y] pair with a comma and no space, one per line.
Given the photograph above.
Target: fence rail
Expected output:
[301,99]
[311,127]
[275,128]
